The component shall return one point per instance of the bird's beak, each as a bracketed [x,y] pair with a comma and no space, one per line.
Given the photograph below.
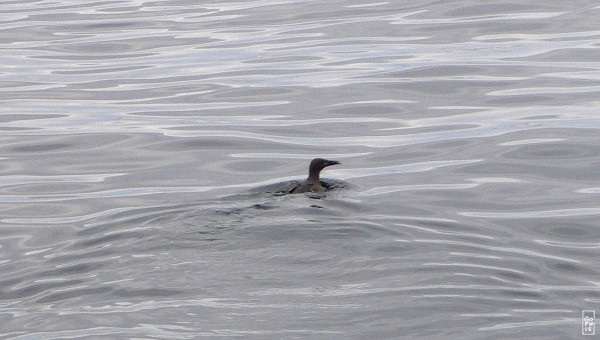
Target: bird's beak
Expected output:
[332,163]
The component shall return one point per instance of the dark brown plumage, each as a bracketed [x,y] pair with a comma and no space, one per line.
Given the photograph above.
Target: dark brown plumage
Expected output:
[313,182]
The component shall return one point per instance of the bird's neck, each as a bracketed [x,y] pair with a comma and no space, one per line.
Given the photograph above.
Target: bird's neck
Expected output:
[314,177]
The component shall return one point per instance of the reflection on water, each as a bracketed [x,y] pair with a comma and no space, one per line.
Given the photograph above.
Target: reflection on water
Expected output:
[143,142]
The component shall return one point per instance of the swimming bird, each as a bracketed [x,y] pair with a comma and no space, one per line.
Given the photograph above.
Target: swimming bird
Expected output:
[313,183]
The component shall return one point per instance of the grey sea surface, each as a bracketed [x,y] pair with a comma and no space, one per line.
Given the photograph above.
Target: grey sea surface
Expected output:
[142,145]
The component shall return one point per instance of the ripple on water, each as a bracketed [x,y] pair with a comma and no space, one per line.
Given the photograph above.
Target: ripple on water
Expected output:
[144,145]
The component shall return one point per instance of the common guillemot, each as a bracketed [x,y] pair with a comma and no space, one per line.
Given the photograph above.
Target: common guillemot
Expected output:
[313,183]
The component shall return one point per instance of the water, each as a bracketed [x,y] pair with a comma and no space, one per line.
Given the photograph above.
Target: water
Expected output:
[138,141]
